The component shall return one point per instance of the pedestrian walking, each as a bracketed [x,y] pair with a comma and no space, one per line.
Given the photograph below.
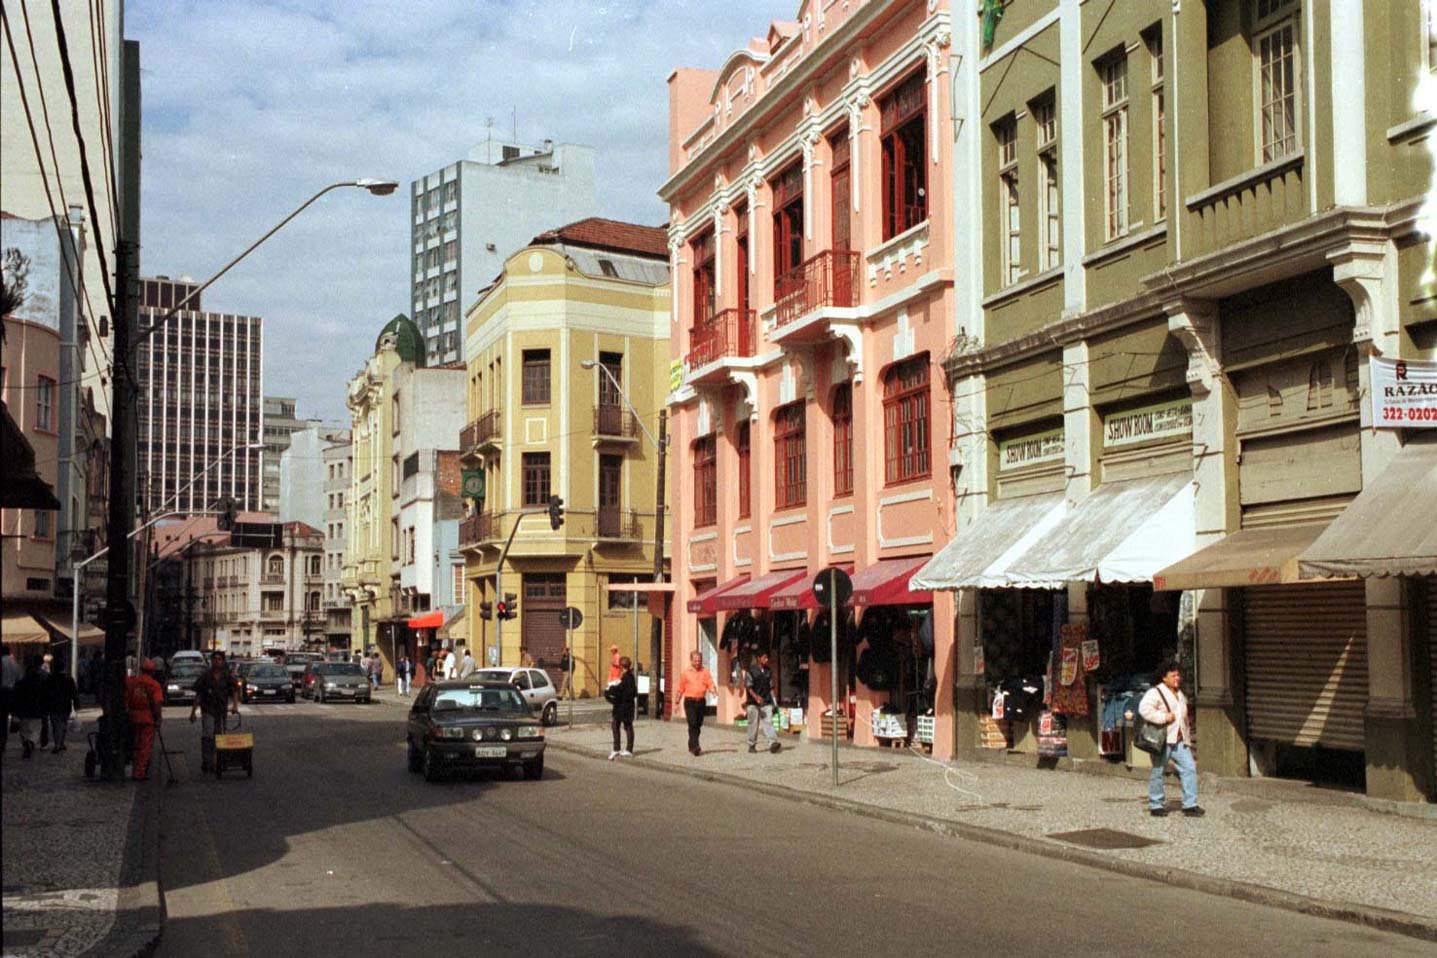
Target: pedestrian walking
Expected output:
[566,666]
[759,702]
[695,683]
[431,662]
[10,674]
[364,665]
[29,705]
[62,699]
[467,666]
[376,670]
[144,699]
[215,692]
[450,664]
[1165,704]
[403,671]
[525,659]
[622,695]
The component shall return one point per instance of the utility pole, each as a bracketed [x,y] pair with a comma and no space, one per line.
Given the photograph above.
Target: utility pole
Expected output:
[656,651]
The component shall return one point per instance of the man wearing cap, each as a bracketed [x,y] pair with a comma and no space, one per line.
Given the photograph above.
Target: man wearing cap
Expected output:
[143,700]
[214,692]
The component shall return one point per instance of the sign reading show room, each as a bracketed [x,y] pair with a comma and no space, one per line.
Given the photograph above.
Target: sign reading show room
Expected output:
[1158,421]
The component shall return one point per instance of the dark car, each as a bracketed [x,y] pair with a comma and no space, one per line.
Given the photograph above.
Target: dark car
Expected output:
[266,682]
[465,725]
[340,680]
[180,685]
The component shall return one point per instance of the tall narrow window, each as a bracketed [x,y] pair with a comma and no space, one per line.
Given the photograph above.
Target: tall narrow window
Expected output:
[843,440]
[610,375]
[841,191]
[790,456]
[787,221]
[1045,118]
[45,403]
[536,478]
[905,420]
[905,175]
[705,481]
[1275,44]
[740,263]
[1010,250]
[704,290]
[1154,40]
[536,377]
[1114,73]
[743,443]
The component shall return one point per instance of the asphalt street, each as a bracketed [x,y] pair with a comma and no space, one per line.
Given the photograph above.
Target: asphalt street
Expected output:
[335,848]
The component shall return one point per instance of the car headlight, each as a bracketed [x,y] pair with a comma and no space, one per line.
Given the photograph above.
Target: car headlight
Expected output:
[530,731]
[442,732]
[506,734]
[330,685]
[172,688]
[252,688]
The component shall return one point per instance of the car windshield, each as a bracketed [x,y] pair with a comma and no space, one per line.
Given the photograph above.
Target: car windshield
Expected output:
[183,672]
[268,672]
[496,675]
[505,701]
[342,668]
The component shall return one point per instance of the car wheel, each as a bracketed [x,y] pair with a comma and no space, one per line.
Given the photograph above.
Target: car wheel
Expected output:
[534,769]
[429,767]
[551,713]
[416,759]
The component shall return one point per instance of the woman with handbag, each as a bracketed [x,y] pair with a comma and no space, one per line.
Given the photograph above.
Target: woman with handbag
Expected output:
[1165,710]
[62,699]
[622,695]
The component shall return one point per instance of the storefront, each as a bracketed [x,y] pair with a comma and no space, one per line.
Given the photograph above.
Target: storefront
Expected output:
[893,648]
[750,626]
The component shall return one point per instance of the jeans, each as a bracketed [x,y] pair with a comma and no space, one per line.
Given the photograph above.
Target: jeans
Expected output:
[760,717]
[210,724]
[403,684]
[623,717]
[1182,758]
[59,724]
[694,712]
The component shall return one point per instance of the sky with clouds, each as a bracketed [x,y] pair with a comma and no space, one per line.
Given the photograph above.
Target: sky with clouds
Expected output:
[251,106]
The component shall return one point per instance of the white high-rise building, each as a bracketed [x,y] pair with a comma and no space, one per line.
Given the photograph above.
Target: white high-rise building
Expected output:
[470,215]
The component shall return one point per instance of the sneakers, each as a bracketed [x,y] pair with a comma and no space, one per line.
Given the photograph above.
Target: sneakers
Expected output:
[626,754]
[775,748]
[1197,811]
[613,755]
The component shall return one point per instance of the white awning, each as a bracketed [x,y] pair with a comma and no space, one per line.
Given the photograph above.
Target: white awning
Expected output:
[979,555]
[1122,532]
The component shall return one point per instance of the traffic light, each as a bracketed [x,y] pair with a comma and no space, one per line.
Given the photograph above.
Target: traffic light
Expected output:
[556,512]
[509,607]
[229,512]
[486,609]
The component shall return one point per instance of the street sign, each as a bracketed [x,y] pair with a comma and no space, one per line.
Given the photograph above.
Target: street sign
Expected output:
[571,618]
[841,584]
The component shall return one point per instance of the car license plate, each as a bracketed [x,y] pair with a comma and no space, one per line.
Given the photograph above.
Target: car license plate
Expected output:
[271,691]
[490,751]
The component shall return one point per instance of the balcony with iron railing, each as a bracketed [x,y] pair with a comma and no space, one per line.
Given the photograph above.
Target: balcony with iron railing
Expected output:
[271,578]
[614,423]
[477,529]
[616,524]
[826,280]
[731,334]
[272,615]
[480,434]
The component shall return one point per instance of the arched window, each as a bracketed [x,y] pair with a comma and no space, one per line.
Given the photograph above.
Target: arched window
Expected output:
[905,421]
[276,565]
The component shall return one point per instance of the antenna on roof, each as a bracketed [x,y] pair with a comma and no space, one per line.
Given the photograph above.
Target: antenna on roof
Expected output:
[489,126]
[516,123]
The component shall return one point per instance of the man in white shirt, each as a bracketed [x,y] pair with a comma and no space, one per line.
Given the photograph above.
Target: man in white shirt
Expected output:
[1165,704]
[448,669]
[467,666]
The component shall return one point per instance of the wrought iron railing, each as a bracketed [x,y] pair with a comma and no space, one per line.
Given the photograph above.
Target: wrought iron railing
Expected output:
[829,278]
[729,334]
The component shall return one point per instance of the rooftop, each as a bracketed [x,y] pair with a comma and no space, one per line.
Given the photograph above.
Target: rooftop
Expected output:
[599,233]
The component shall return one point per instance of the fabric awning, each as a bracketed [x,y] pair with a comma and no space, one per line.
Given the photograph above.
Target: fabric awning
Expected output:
[755,594]
[798,594]
[1262,556]
[979,555]
[22,628]
[89,634]
[1388,529]
[703,603]
[1122,532]
[886,582]
[429,620]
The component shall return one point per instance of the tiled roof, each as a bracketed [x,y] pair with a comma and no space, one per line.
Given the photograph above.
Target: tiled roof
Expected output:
[611,234]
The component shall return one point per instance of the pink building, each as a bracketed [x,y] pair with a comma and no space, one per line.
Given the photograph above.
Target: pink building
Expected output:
[812,248]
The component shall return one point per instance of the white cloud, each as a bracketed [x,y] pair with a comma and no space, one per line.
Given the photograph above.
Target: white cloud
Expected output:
[249,107]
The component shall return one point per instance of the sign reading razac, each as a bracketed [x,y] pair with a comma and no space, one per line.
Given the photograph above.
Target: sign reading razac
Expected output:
[1158,421]
[1031,450]
[1404,393]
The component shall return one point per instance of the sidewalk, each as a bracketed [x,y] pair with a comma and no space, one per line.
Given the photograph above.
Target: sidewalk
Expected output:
[1321,858]
[81,865]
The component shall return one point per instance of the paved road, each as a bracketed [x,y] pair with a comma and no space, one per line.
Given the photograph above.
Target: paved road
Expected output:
[334,848]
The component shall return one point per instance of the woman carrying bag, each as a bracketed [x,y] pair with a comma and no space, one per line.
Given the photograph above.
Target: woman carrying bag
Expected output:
[1165,707]
[622,695]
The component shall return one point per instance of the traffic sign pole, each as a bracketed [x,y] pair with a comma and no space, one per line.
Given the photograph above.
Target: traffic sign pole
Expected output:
[833,664]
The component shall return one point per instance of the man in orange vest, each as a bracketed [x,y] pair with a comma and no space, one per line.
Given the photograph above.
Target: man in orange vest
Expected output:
[144,700]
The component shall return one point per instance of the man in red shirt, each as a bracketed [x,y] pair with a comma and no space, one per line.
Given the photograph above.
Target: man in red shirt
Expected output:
[695,682]
[143,700]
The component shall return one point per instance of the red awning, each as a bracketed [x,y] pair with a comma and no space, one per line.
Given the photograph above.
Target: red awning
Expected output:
[886,583]
[703,603]
[799,593]
[756,594]
[429,620]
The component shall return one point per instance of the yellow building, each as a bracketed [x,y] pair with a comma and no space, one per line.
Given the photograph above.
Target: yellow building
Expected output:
[370,543]
[595,292]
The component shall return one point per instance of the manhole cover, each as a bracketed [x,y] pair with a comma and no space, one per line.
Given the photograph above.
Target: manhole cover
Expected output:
[1105,838]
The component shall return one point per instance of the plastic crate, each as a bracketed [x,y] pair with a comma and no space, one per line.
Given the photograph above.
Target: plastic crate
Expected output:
[925,729]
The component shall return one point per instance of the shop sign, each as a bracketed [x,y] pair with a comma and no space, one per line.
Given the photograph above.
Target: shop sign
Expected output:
[676,375]
[1149,422]
[1031,450]
[1404,393]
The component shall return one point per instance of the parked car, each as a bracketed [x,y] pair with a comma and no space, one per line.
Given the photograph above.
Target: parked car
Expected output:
[340,680]
[533,685]
[467,725]
[180,684]
[266,682]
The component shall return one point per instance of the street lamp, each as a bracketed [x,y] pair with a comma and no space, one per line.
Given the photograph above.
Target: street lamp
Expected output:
[661,444]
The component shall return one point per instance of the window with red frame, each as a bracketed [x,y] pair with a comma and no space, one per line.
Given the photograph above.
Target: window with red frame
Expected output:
[841,191]
[843,440]
[905,420]
[705,481]
[790,455]
[704,296]
[743,441]
[787,220]
[905,176]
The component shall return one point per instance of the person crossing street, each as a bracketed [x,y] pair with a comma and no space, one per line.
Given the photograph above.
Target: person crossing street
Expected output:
[215,692]
[758,703]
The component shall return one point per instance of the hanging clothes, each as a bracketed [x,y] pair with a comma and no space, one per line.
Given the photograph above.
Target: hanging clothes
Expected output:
[1070,692]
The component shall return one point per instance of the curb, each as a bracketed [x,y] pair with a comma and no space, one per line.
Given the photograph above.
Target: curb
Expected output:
[140,911]
[1380,919]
